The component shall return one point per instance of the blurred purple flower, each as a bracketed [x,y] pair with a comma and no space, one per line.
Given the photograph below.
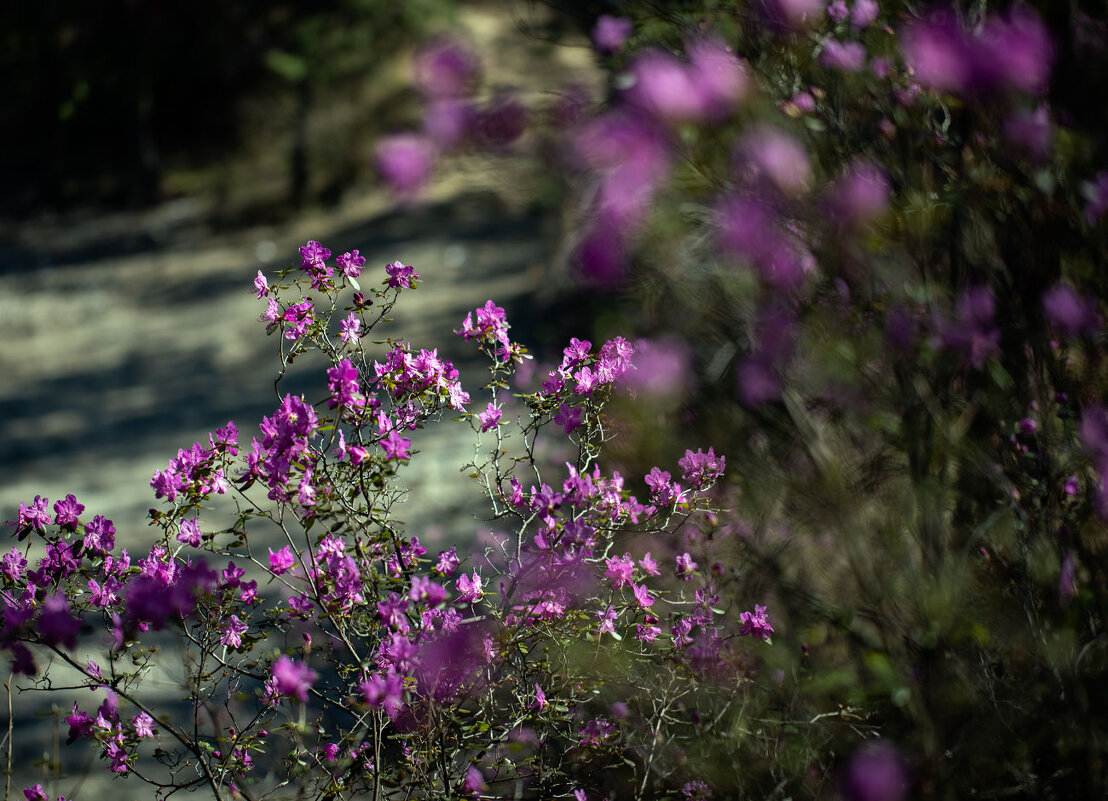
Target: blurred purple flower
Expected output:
[474,781]
[861,196]
[863,14]
[292,679]
[664,87]
[662,368]
[56,625]
[973,330]
[446,68]
[718,74]
[1030,131]
[937,52]
[447,122]
[876,772]
[767,155]
[501,122]
[405,162]
[838,11]
[1068,310]
[1011,52]
[843,56]
[610,33]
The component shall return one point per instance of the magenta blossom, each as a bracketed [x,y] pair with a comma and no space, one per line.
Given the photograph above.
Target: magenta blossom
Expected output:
[756,623]
[292,679]
[610,33]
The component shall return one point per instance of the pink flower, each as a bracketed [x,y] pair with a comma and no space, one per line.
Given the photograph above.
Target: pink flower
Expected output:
[619,569]
[685,566]
[756,623]
[642,595]
[396,446]
[540,701]
[611,32]
[350,327]
[292,679]
[489,418]
[233,631]
[281,561]
[190,532]
[144,725]
[650,566]
[261,284]
[469,589]
[607,620]
[405,161]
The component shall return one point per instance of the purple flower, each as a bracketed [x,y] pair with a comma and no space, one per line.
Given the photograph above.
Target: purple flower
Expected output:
[718,74]
[973,330]
[863,14]
[350,327]
[700,468]
[351,264]
[446,68]
[490,418]
[936,50]
[861,196]
[405,161]
[190,532]
[396,447]
[619,570]
[99,535]
[664,87]
[448,562]
[35,793]
[474,781]
[540,703]
[876,772]
[281,561]
[13,564]
[261,284]
[1031,131]
[685,566]
[1071,312]
[144,725]
[756,623]
[569,418]
[401,275]
[31,517]
[292,679]
[767,155]
[843,56]
[384,691]
[447,122]
[501,122]
[469,589]
[56,625]
[68,512]
[838,11]
[610,33]
[232,632]
[607,620]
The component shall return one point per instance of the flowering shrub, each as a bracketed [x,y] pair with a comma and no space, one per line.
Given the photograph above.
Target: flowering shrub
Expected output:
[326,653]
